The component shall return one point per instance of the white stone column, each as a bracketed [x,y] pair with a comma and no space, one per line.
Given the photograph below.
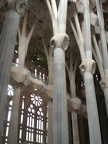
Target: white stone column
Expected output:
[60,119]
[13,127]
[50,124]
[7,45]
[71,69]
[104,81]
[88,68]
[75,128]
[60,43]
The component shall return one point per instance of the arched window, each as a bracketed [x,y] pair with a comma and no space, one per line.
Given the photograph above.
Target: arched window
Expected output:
[31,118]
[30,124]
[34,120]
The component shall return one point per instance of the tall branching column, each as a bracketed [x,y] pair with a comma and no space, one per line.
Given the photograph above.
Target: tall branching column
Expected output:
[7,44]
[72,72]
[60,43]
[13,128]
[60,122]
[75,128]
[88,68]
[73,94]
[104,81]
[49,57]
[24,40]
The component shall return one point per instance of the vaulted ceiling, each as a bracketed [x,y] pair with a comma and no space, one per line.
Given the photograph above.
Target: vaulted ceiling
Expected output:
[38,13]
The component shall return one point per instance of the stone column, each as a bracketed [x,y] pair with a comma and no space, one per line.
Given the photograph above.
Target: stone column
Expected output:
[44,126]
[104,81]
[60,43]
[13,128]
[93,118]
[88,68]
[75,128]
[5,122]
[73,95]
[60,119]
[7,45]
[70,127]
[50,116]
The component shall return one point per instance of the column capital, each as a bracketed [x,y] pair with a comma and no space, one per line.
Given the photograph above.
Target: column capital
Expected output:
[88,65]
[17,5]
[104,82]
[60,40]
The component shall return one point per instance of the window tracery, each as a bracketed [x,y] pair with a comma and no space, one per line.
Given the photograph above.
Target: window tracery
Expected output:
[31,118]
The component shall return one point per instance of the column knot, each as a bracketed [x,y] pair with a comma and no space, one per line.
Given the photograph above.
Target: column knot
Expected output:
[104,82]
[60,40]
[18,5]
[88,65]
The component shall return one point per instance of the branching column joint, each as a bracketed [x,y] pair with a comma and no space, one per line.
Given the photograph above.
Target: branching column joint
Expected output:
[88,65]
[17,5]
[60,40]
[104,82]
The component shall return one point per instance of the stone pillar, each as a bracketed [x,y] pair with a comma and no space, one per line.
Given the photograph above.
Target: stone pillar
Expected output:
[104,81]
[102,35]
[60,119]
[88,68]
[13,128]
[93,118]
[50,116]
[73,95]
[7,45]
[105,89]
[75,128]
[44,126]
[5,122]
[70,127]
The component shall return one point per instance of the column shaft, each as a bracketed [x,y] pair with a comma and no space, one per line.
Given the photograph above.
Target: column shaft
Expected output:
[60,122]
[7,44]
[62,16]
[13,129]
[50,116]
[93,119]
[92,111]
[104,46]
[24,128]
[44,127]
[75,128]
[102,35]
[106,98]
